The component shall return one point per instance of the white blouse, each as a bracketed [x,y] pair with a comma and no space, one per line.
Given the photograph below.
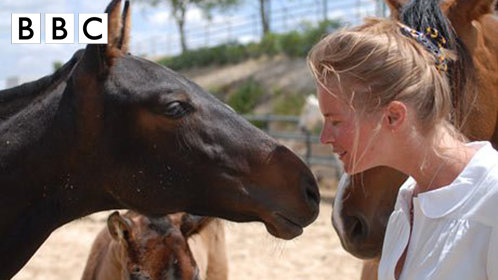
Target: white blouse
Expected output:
[455,228]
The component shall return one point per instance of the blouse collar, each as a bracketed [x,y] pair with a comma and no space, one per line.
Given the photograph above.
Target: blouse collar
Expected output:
[442,201]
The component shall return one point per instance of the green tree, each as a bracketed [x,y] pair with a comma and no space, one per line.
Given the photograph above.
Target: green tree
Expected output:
[179,10]
[56,65]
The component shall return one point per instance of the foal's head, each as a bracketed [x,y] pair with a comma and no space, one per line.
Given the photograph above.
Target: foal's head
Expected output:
[156,248]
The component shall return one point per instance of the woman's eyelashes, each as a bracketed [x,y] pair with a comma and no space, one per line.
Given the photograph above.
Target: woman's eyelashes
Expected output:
[335,122]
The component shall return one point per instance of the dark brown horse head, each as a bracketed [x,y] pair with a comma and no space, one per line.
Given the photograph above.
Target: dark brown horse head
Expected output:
[111,130]
[365,201]
[164,144]
[362,206]
[156,248]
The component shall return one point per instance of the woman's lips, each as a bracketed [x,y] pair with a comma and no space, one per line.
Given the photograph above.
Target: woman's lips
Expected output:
[341,154]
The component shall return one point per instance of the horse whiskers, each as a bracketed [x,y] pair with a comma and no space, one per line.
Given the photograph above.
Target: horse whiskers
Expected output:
[363,189]
[361,184]
[344,198]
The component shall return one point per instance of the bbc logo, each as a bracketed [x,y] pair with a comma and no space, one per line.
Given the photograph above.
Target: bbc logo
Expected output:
[59,28]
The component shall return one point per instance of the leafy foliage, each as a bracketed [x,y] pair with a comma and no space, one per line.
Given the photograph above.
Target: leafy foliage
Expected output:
[289,104]
[294,44]
[244,99]
[56,65]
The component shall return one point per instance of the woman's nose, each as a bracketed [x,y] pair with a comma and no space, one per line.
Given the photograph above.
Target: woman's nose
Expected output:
[326,136]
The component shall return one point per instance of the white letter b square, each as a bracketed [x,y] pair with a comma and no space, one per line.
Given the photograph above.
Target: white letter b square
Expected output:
[26,28]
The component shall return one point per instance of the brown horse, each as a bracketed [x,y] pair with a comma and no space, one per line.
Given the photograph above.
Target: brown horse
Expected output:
[365,201]
[177,246]
[110,130]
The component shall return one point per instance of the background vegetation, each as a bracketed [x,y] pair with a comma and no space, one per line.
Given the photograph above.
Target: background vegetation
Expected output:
[293,44]
[245,96]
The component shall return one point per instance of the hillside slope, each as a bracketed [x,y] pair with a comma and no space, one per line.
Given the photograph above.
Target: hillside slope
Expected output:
[279,73]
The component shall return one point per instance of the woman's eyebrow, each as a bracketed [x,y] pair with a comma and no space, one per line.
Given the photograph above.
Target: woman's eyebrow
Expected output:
[330,114]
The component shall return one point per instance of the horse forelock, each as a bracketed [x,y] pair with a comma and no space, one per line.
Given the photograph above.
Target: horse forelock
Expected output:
[161,225]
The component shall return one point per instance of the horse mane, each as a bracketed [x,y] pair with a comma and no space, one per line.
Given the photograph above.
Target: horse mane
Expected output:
[14,100]
[420,14]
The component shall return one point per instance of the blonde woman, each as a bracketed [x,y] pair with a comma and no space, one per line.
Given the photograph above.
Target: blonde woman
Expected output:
[383,92]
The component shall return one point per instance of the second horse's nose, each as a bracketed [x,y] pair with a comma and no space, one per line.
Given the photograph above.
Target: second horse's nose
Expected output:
[356,228]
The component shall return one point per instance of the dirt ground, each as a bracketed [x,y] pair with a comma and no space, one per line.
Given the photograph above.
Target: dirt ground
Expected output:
[253,253]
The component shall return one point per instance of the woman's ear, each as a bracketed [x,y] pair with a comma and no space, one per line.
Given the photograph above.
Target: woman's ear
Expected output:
[394,115]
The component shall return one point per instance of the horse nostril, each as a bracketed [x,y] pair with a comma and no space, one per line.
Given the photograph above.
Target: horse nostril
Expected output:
[355,228]
[313,197]
[311,191]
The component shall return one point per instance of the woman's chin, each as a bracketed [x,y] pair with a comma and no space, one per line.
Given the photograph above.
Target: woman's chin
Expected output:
[352,170]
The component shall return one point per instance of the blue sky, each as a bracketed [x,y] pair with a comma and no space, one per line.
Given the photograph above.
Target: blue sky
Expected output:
[152,27]
[32,61]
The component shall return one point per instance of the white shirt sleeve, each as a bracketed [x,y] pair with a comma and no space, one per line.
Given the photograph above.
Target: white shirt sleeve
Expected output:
[492,265]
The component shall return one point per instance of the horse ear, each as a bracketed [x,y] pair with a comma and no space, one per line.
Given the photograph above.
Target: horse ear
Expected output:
[192,224]
[474,9]
[445,5]
[99,58]
[119,227]
[119,29]
[124,39]
[395,6]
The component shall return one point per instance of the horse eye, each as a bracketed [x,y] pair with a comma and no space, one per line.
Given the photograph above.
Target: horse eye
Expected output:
[175,109]
[135,269]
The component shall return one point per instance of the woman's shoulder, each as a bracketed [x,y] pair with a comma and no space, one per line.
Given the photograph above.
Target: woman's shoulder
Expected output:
[482,176]
[486,170]
[484,204]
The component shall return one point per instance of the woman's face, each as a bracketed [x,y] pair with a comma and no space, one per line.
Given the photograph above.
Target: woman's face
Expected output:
[340,128]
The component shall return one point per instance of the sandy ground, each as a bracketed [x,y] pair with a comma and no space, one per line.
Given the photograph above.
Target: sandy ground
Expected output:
[253,253]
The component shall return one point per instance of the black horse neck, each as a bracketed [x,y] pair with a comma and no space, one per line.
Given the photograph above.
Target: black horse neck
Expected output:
[41,186]
[42,177]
